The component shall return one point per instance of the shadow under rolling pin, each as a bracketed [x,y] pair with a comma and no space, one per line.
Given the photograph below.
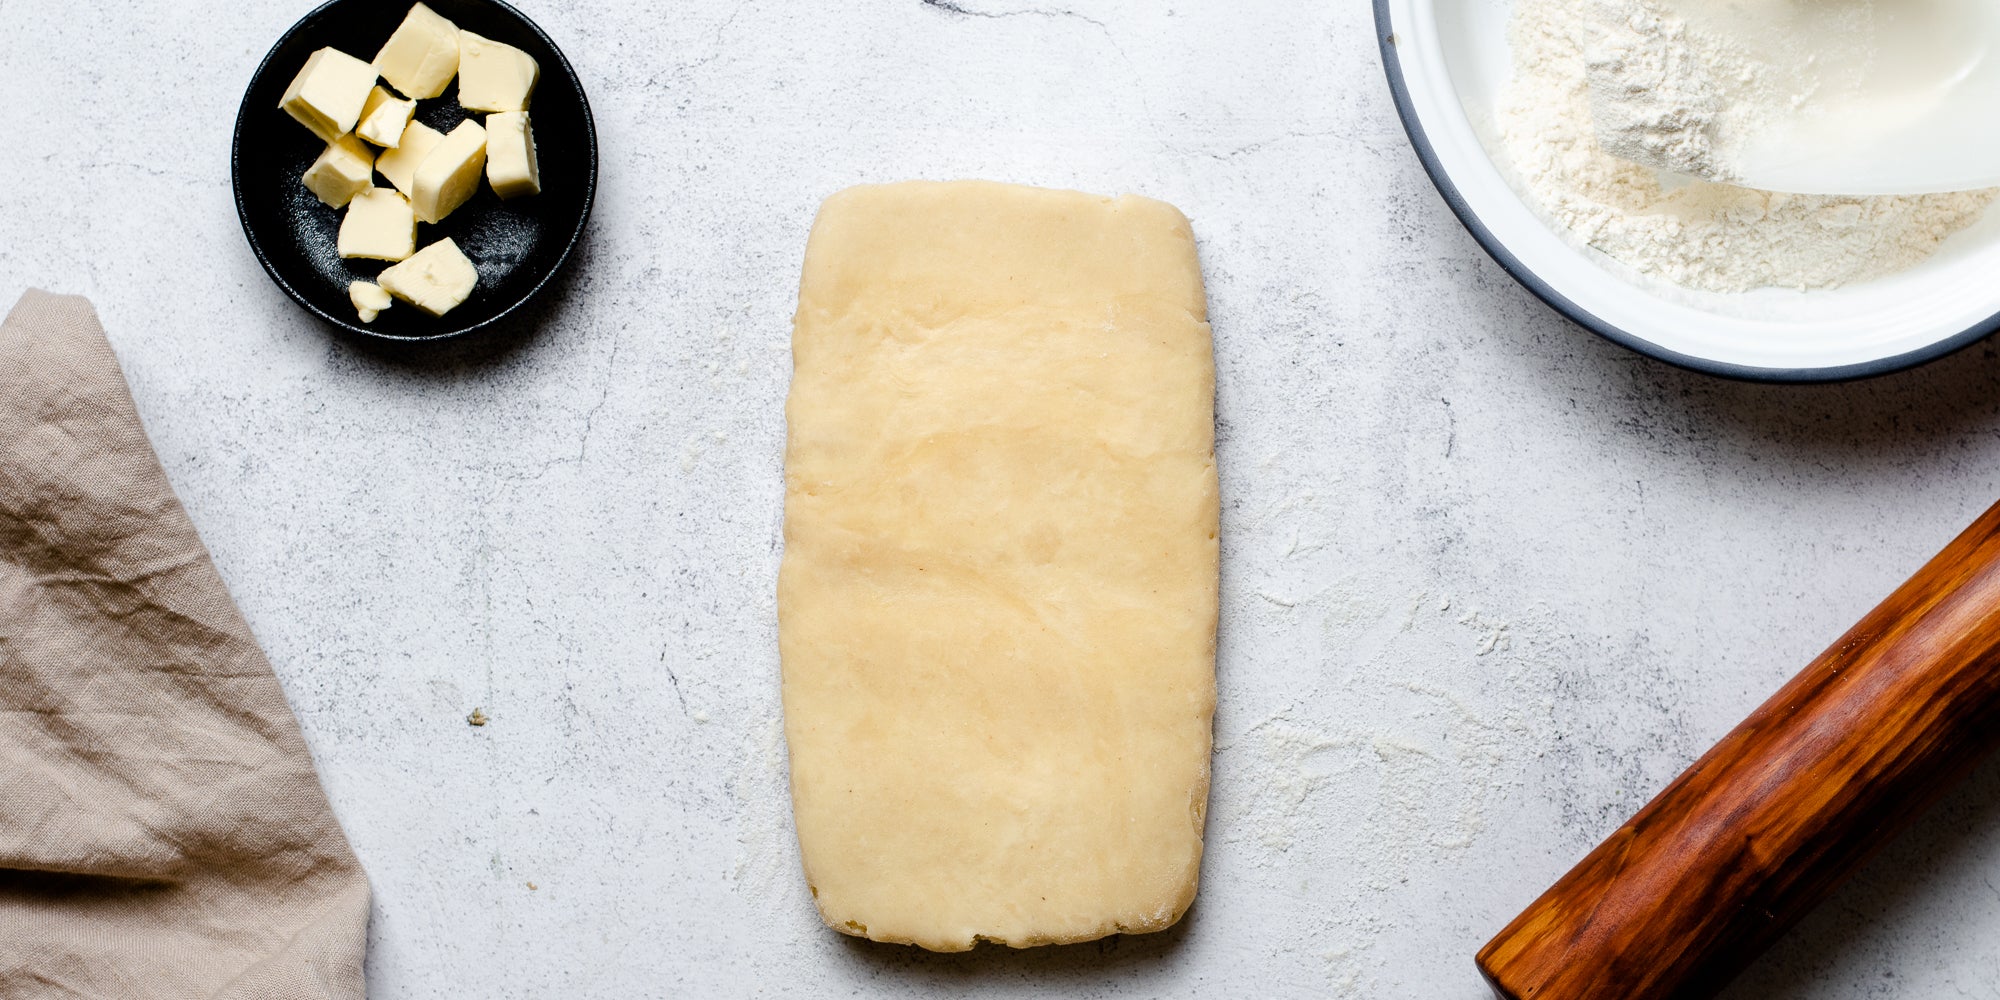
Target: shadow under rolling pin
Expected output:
[1795,799]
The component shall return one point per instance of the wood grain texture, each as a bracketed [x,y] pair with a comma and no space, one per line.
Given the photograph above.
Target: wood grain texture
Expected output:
[1790,803]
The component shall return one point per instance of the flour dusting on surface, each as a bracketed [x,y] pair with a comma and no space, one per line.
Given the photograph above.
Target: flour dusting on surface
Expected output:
[766,866]
[1357,803]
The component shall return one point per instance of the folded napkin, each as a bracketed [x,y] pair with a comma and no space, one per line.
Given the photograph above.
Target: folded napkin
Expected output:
[162,831]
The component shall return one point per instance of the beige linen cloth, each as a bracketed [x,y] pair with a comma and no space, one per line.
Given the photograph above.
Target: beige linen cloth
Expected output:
[162,831]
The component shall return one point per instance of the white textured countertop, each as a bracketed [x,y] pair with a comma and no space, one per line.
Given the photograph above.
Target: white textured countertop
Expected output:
[1488,582]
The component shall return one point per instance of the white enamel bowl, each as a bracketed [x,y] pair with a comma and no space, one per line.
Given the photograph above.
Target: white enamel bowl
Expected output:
[1447,60]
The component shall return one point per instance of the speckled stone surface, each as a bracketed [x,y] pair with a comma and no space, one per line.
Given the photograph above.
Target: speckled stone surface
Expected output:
[1488,582]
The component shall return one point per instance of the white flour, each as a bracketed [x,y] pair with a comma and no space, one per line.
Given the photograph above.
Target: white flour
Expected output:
[1647,104]
[1707,236]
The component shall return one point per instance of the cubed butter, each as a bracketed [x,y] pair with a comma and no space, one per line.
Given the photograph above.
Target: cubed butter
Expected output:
[384,117]
[369,299]
[494,76]
[450,174]
[378,224]
[435,279]
[510,155]
[400,164]
[422,56]
[344,169]
[329,92]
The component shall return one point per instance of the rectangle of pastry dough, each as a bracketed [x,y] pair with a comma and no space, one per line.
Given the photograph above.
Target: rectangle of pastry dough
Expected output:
[997,605]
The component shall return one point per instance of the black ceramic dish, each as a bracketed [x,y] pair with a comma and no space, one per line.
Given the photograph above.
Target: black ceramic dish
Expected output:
[517,245]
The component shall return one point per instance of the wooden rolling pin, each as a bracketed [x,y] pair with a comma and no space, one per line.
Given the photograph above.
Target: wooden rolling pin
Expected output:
[1764,826]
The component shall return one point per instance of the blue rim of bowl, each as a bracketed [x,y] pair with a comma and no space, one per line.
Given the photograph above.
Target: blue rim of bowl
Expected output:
[562,261]
[1406,110]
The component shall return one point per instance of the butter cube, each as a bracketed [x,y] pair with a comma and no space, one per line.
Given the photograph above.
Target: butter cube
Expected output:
[436,279]
[378,224]
[450,174]
[494,76]
[329,92]
[422,56]
[400,164]
[369,299]
[384,117]
[344,169]
[510,155]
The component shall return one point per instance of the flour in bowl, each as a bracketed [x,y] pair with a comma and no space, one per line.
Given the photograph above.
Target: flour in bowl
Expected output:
[1703,235]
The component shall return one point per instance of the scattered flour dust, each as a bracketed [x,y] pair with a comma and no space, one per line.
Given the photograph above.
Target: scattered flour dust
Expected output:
[1425,779]
[1377,785]
[1703,235]
[766,868]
